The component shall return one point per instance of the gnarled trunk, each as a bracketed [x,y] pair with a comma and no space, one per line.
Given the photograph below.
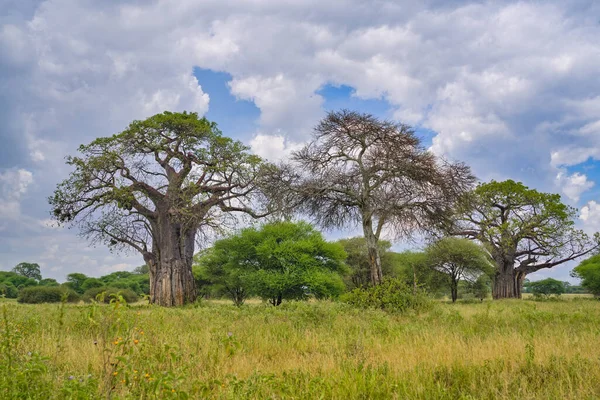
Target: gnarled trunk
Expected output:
[508,281]
[171,279]
[374,258]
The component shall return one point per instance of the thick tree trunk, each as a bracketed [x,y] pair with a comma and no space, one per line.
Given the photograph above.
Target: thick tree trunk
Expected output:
[374,258]
[171,279]
[508,282]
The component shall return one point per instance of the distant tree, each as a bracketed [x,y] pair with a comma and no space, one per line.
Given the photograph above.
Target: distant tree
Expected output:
[481,287]
[589,273]
[525,230]
[459,259]
[156,186]
[358,260]
[48,282]
[30,270]
[547,287]
[90,283]
[75,282]
[141,270]
[413,268]
[362,170]
[278,261]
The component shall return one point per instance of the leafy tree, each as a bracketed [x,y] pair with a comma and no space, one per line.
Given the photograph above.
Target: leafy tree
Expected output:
[481,287]
[525,230]
[459,259]
[413,268]
[547,287]
[141,270]
[75,282]
[157,185]
[48,282]
[280,260]
[589,273]
[8,290]
[361,170]
[358,260]
[30,270]
[90,283]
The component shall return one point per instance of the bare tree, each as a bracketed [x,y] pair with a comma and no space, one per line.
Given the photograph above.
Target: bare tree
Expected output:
[155,187]
[373,173]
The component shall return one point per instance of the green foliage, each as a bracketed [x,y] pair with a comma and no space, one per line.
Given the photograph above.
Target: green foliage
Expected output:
[30,270]
[75,282]
[281,260]
[392,295]
[46,294]
[413,268]
[524,230]
[8,290]
[481,287]
[357,260]
[48,282]
[547,287]
[459,259]
[90,283]
[106,294]
[16,280]
[589,273]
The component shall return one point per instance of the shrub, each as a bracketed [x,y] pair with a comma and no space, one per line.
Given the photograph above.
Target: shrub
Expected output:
[8,290]
[547,287]
[391,295]
[93,294]
[46,294]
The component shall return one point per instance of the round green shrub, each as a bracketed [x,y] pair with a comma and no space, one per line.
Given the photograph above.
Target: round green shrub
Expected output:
[105,294]
[392,295]
[46,294]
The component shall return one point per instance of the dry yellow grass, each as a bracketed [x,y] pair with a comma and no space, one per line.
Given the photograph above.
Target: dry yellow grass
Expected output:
[507,349]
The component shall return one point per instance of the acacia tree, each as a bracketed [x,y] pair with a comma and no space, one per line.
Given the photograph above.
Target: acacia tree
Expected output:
[524,229]
[154,187]
[458,259]
[30,270]
[362,170]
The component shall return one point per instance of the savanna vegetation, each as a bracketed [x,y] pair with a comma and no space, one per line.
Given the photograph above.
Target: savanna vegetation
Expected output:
[271,309]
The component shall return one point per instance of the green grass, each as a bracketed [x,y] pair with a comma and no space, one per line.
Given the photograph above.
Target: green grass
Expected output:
[493,350]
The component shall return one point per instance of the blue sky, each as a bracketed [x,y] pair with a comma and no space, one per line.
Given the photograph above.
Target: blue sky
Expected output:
[509,87]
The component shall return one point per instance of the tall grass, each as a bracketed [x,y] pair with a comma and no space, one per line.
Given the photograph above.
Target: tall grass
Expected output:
[492,350]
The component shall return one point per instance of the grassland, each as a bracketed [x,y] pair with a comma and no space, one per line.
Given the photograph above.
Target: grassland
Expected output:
[491,350]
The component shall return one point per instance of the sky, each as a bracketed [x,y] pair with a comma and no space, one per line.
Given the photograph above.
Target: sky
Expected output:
[511,88]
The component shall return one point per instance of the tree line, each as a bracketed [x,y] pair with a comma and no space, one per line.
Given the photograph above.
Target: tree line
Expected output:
[173,179]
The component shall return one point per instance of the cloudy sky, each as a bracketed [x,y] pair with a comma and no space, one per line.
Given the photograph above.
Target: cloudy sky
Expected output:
[512,88]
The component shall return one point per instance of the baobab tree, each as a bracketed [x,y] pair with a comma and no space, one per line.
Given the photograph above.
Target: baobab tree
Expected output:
[364,171]
[524,229]
[155,187]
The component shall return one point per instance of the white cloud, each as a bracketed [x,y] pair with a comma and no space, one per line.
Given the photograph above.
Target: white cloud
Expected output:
[573,185]
[590,215]
[273,147]
[509,87]
[13,186]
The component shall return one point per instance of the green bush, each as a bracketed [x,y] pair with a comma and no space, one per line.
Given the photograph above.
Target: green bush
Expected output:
[93,294]
[46,294]
[8,290]
[391,295]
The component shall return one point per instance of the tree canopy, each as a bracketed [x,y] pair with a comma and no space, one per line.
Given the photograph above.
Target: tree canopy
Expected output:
[280,260]
[459,259]
[589,273]
[525,230]
[359,170]
[155,187]
[29,270]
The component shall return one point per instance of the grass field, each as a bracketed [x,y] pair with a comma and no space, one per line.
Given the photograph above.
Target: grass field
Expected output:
[492,350]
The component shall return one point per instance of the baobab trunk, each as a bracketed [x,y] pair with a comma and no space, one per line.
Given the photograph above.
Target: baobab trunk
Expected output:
[507,281]
[171,279]
[374,258]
